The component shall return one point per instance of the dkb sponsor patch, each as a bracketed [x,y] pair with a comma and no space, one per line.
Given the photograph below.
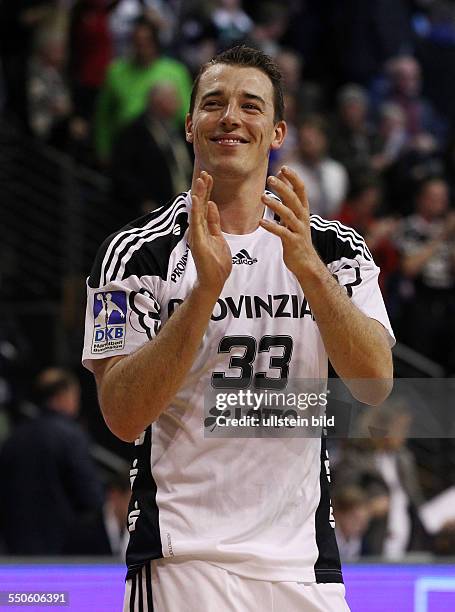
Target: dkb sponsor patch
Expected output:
[109,315]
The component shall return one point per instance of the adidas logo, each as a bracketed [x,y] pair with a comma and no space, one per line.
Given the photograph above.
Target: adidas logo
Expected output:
[243,257]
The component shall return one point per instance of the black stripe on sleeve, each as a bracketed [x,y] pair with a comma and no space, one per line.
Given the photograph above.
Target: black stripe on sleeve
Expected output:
[333,244]
[145,236]
[97,276]
[152,220]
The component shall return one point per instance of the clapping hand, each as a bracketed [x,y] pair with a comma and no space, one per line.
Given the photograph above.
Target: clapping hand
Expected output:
[294,227]
[211,253]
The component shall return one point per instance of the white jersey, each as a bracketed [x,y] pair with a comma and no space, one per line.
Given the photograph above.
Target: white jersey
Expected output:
[258,507]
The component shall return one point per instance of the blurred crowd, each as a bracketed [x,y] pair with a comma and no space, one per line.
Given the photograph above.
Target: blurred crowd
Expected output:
[371,119]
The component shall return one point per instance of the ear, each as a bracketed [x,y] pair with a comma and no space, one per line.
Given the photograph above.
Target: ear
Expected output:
[189,128]
[279,136]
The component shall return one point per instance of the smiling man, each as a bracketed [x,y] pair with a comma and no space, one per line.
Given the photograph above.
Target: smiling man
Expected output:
[231,287]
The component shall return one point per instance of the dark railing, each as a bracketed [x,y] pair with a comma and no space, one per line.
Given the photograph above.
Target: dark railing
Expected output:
[53,217]
[54,214]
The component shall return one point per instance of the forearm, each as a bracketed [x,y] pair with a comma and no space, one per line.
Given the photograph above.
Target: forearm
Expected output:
[356,345]
[139,387]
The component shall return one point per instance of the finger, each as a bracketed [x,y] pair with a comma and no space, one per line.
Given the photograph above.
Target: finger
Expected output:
[274,228]
[201,187]
[213,219]
[208,184]
[287,195]
[197,222]
[287,216]
[297,184]
[197,194]
[282,177]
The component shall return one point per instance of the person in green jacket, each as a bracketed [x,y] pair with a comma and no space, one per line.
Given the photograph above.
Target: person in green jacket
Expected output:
[124,94]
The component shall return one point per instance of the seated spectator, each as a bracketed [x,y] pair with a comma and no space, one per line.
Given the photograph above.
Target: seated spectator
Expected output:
[426,241]
[47,477]
[380,463]
[19,23]
[231,22]
[418,160]
[125,13]
[197,42]
[353,140]
[301,98]
[326,180]
[444,541]
[271,20]
[391,136]
[124,94]
[359,211]
[352,517]
[104,532]
[90,51]
[151,141]
[403,87]
[308,94]
[49,102]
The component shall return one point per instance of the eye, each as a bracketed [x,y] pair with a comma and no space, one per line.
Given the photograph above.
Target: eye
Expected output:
[212,104]
[251,106]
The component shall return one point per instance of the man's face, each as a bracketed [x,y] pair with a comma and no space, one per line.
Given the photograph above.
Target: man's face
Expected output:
[354,113]
[433,202]
[354,522]
[232,127]
[313,143]
[407,78]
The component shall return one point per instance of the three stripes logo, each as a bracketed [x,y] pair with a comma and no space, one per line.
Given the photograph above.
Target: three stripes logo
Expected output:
[243,257]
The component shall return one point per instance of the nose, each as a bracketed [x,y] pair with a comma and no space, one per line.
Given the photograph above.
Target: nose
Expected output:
[230,117]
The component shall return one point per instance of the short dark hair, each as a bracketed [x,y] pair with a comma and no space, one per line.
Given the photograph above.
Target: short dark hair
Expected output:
[52,381]
[247,57]
[144,22]
[313,120]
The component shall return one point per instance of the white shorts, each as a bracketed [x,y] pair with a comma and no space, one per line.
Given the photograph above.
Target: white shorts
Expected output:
[167,585]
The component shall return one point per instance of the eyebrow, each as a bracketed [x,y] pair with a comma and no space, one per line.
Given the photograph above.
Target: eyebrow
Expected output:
[245,94]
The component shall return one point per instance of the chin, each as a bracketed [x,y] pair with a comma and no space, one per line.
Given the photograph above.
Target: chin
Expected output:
[231,170]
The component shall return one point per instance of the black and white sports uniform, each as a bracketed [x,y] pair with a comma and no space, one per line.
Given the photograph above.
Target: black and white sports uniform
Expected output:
[258,508]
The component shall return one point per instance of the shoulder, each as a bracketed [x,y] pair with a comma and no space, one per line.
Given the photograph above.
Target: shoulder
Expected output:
[117,68]
[142,247]
[62,430]
[334,168]
[334,240]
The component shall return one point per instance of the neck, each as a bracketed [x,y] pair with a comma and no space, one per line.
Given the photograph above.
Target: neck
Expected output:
[311,162]
[427,217]
[239,202]
[143,62]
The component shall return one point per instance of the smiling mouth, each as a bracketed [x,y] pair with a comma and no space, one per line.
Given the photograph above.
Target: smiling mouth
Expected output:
[229,142]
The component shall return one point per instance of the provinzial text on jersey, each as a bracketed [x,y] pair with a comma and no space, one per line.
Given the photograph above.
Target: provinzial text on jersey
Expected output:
[255,307]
